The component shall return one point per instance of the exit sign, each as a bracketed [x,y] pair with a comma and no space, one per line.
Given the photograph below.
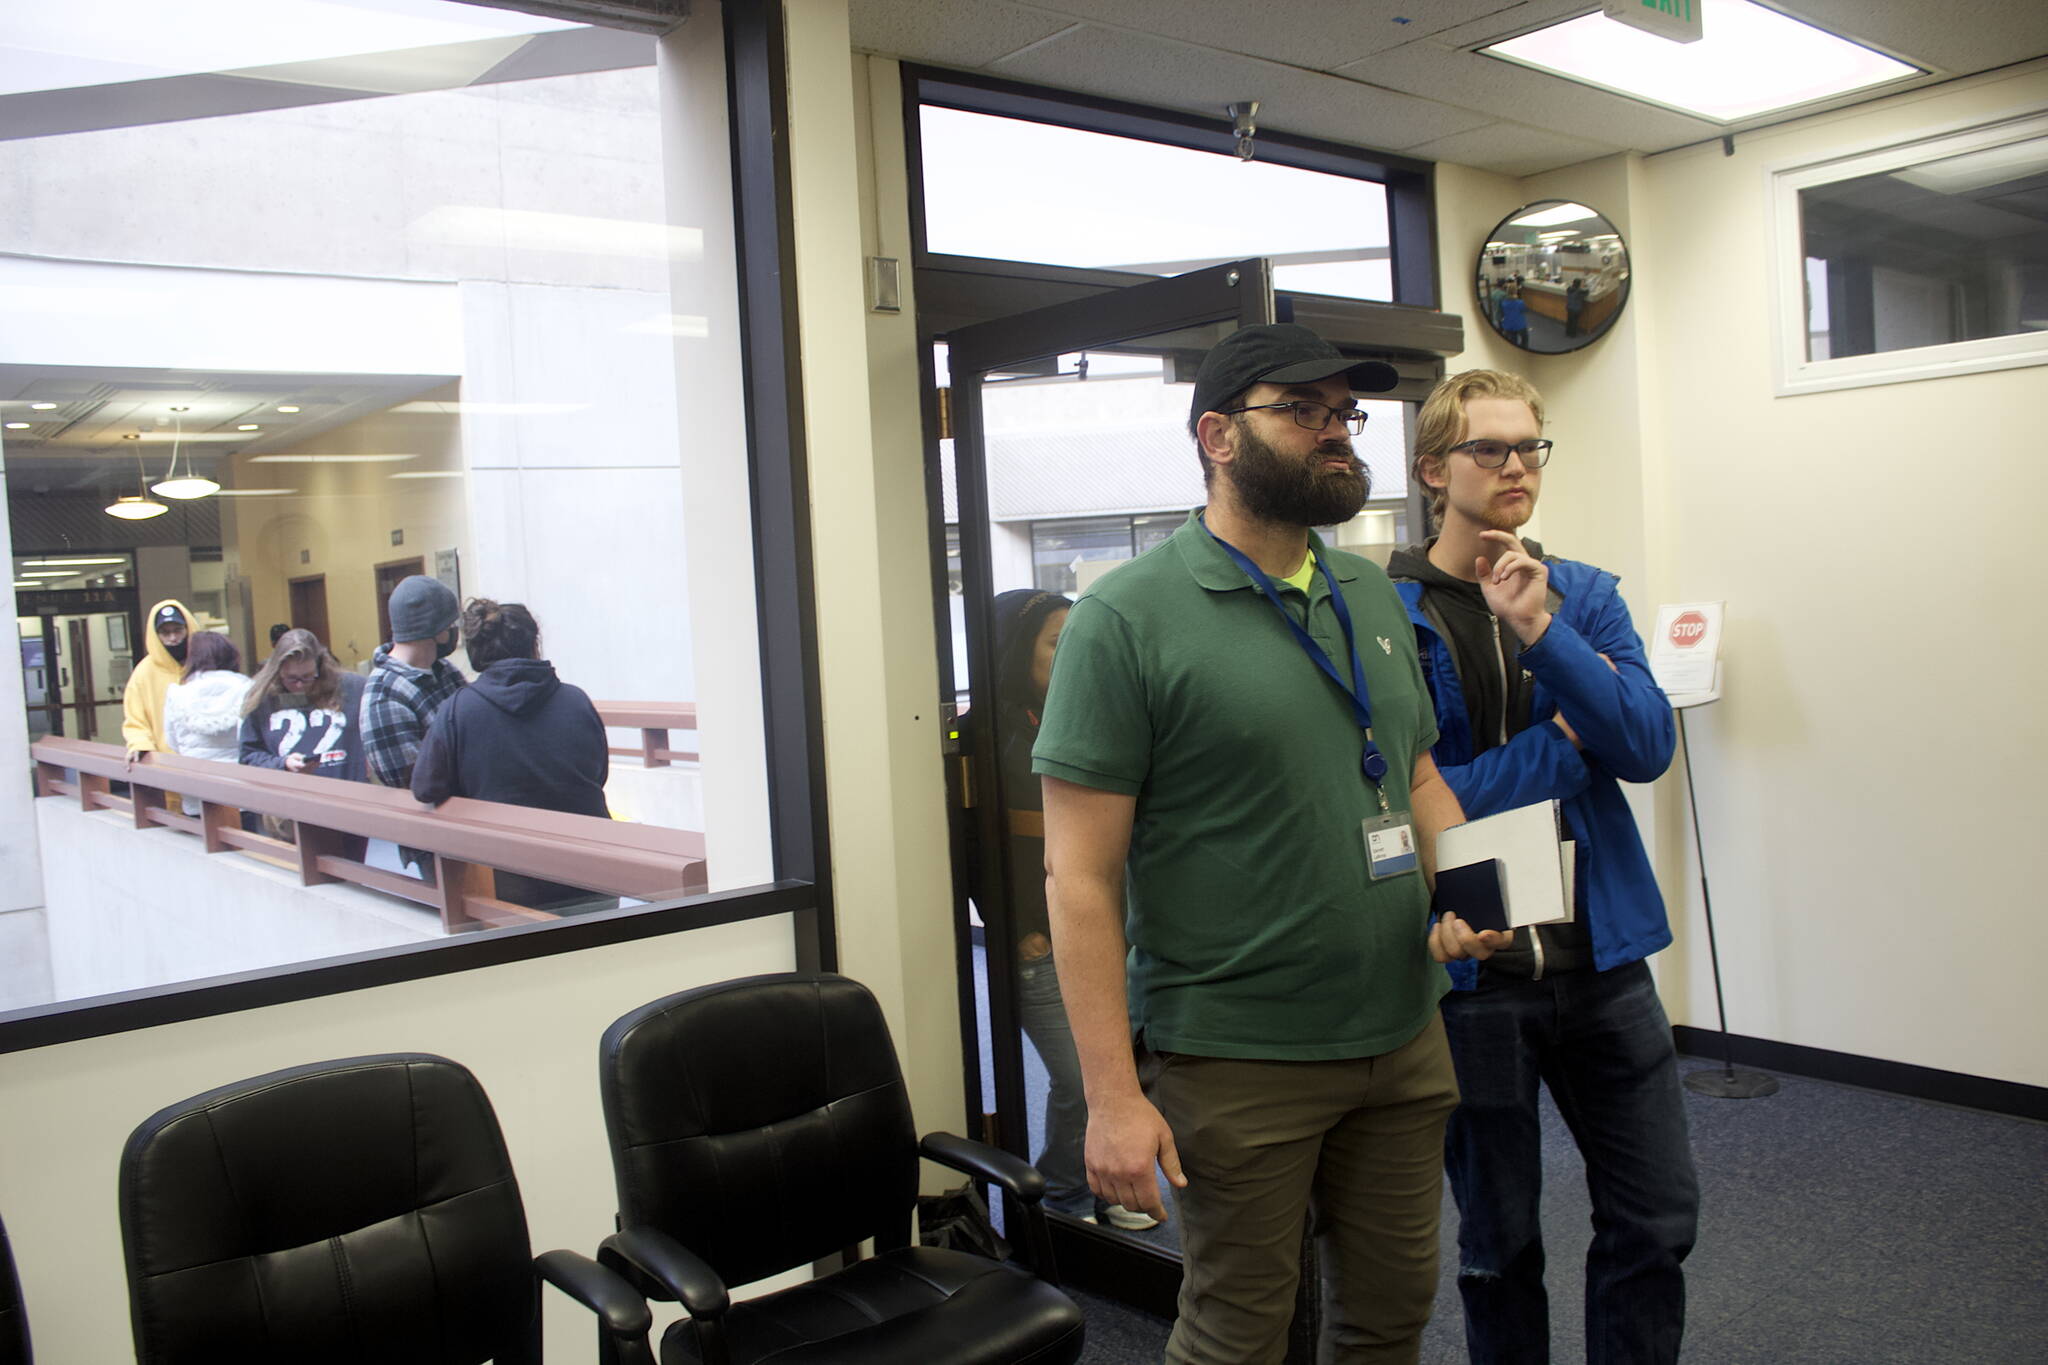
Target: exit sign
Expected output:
[1678,20]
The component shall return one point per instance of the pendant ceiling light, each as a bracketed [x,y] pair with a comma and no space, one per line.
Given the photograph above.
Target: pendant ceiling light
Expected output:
[193,484]
[137,506]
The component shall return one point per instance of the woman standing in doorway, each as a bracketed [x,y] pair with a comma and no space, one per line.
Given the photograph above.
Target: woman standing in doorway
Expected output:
[1027,625]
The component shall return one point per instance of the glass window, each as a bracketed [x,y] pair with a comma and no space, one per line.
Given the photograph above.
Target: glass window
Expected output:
[429,334]
[1918,260]
[1015,190]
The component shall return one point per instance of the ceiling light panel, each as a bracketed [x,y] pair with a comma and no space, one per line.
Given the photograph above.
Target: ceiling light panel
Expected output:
[1752,61]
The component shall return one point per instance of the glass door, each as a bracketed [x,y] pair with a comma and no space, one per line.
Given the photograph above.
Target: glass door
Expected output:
[1070,456]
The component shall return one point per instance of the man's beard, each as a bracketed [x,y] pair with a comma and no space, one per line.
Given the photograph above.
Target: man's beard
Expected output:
[1293,490]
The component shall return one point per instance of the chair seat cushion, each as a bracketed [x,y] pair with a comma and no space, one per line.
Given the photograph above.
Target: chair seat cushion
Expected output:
[919,1304]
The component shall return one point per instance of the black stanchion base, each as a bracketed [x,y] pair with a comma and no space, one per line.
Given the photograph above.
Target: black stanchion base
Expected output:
[1731,1085]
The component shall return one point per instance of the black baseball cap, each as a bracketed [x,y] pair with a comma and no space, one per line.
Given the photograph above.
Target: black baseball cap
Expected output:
[169,616]
[1278,353]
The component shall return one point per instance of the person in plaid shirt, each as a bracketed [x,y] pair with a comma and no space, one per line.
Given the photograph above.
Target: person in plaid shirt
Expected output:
[410,676]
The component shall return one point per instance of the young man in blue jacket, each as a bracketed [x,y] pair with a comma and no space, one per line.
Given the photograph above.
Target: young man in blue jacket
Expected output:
[1542,691]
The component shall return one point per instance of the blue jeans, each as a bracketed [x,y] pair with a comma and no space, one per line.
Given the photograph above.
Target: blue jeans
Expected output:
[1044,1016]
[1600,1041]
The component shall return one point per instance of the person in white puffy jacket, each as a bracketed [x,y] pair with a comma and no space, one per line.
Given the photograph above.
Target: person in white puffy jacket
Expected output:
[203,709]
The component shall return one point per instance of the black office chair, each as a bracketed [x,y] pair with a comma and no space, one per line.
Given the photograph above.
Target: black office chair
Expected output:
[763,1124]
[348,1211]
[14,1347]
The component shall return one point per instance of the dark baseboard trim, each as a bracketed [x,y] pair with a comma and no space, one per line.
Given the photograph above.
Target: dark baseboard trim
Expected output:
[1871,1073]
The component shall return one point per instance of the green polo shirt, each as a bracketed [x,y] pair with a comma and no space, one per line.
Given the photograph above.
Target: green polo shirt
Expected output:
[1255,929]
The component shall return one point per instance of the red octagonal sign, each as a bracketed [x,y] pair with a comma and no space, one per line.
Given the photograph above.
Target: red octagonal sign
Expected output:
[1688,628]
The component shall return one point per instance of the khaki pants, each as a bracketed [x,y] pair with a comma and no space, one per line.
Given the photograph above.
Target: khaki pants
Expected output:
[1358,1145]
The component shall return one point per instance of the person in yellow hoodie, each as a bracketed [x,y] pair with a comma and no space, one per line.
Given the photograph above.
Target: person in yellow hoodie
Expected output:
[142,705]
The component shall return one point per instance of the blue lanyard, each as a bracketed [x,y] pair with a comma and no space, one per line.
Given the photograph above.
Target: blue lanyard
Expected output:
[1372,762]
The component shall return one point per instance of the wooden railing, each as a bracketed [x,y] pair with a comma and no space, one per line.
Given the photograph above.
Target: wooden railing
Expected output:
[467,839]
[653,719]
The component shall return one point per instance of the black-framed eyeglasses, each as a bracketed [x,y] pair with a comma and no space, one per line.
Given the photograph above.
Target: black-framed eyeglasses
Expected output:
[1312,415]
[1494,454]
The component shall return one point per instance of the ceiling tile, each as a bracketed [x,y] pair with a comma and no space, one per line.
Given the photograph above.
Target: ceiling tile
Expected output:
[950,35]
[1532,98]
[1158,71]
[1317,34]
[1511,149]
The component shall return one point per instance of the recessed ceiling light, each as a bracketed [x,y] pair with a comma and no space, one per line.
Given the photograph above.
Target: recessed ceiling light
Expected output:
[50,573]
[42,407]
[287,407]
[54,563]
[18,426]
[1751,61]
[248,426]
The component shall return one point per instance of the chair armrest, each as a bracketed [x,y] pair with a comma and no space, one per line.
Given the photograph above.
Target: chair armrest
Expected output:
[978,1159]
[622,1313]
[646,1255]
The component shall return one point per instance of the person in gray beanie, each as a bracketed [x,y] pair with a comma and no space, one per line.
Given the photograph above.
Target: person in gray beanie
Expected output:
[411,676]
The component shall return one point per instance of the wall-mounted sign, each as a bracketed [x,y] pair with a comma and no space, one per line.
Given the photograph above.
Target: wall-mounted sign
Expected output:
[74,601]
[1678,20]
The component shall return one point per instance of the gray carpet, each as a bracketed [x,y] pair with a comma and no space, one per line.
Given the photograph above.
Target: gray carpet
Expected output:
[1839,1227]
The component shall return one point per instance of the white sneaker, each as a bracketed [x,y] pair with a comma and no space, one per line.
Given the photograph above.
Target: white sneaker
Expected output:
[1121,1218]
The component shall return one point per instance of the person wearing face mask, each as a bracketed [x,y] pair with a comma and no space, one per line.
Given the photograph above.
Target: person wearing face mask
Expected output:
[410,678]
[142,704]
[521,736]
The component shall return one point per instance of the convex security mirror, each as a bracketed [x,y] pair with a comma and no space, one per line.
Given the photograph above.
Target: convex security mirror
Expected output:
[1553,276]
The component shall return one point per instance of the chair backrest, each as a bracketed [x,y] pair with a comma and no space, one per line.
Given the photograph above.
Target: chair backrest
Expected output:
[347,1211]
[14,1347]
[763,1122]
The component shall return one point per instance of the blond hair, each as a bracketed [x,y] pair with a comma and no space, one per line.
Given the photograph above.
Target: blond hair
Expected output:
[1441,423]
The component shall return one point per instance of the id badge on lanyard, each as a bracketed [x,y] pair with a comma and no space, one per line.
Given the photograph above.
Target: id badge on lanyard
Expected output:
[1390,849]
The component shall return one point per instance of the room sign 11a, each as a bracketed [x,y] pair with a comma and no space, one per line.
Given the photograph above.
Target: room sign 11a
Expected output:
[1678,20]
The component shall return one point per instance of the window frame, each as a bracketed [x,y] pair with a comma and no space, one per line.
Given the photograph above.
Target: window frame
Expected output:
[758,116]
[1792,372]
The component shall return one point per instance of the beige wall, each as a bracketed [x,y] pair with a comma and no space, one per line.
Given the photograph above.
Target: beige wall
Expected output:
[876,648]
[1862,863]
[342,517]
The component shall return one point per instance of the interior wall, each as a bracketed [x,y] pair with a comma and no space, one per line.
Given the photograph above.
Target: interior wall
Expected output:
[876,647]
[1861,866]
[1849,863]
[340,521]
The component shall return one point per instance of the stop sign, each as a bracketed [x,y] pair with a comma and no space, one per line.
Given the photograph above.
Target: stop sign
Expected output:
[1688,628]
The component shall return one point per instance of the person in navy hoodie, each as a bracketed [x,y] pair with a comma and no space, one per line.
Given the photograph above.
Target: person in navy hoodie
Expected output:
[520,735]
[1542,691]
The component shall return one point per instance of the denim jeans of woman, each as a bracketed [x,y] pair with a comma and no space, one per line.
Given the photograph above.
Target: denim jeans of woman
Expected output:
[1044,1016]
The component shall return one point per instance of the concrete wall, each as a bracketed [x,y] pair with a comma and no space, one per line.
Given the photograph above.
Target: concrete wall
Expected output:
[1851,855]
[128,909]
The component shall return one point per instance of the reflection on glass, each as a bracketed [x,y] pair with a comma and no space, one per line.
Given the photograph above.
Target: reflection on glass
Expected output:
[1941,251]
[1553,276]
